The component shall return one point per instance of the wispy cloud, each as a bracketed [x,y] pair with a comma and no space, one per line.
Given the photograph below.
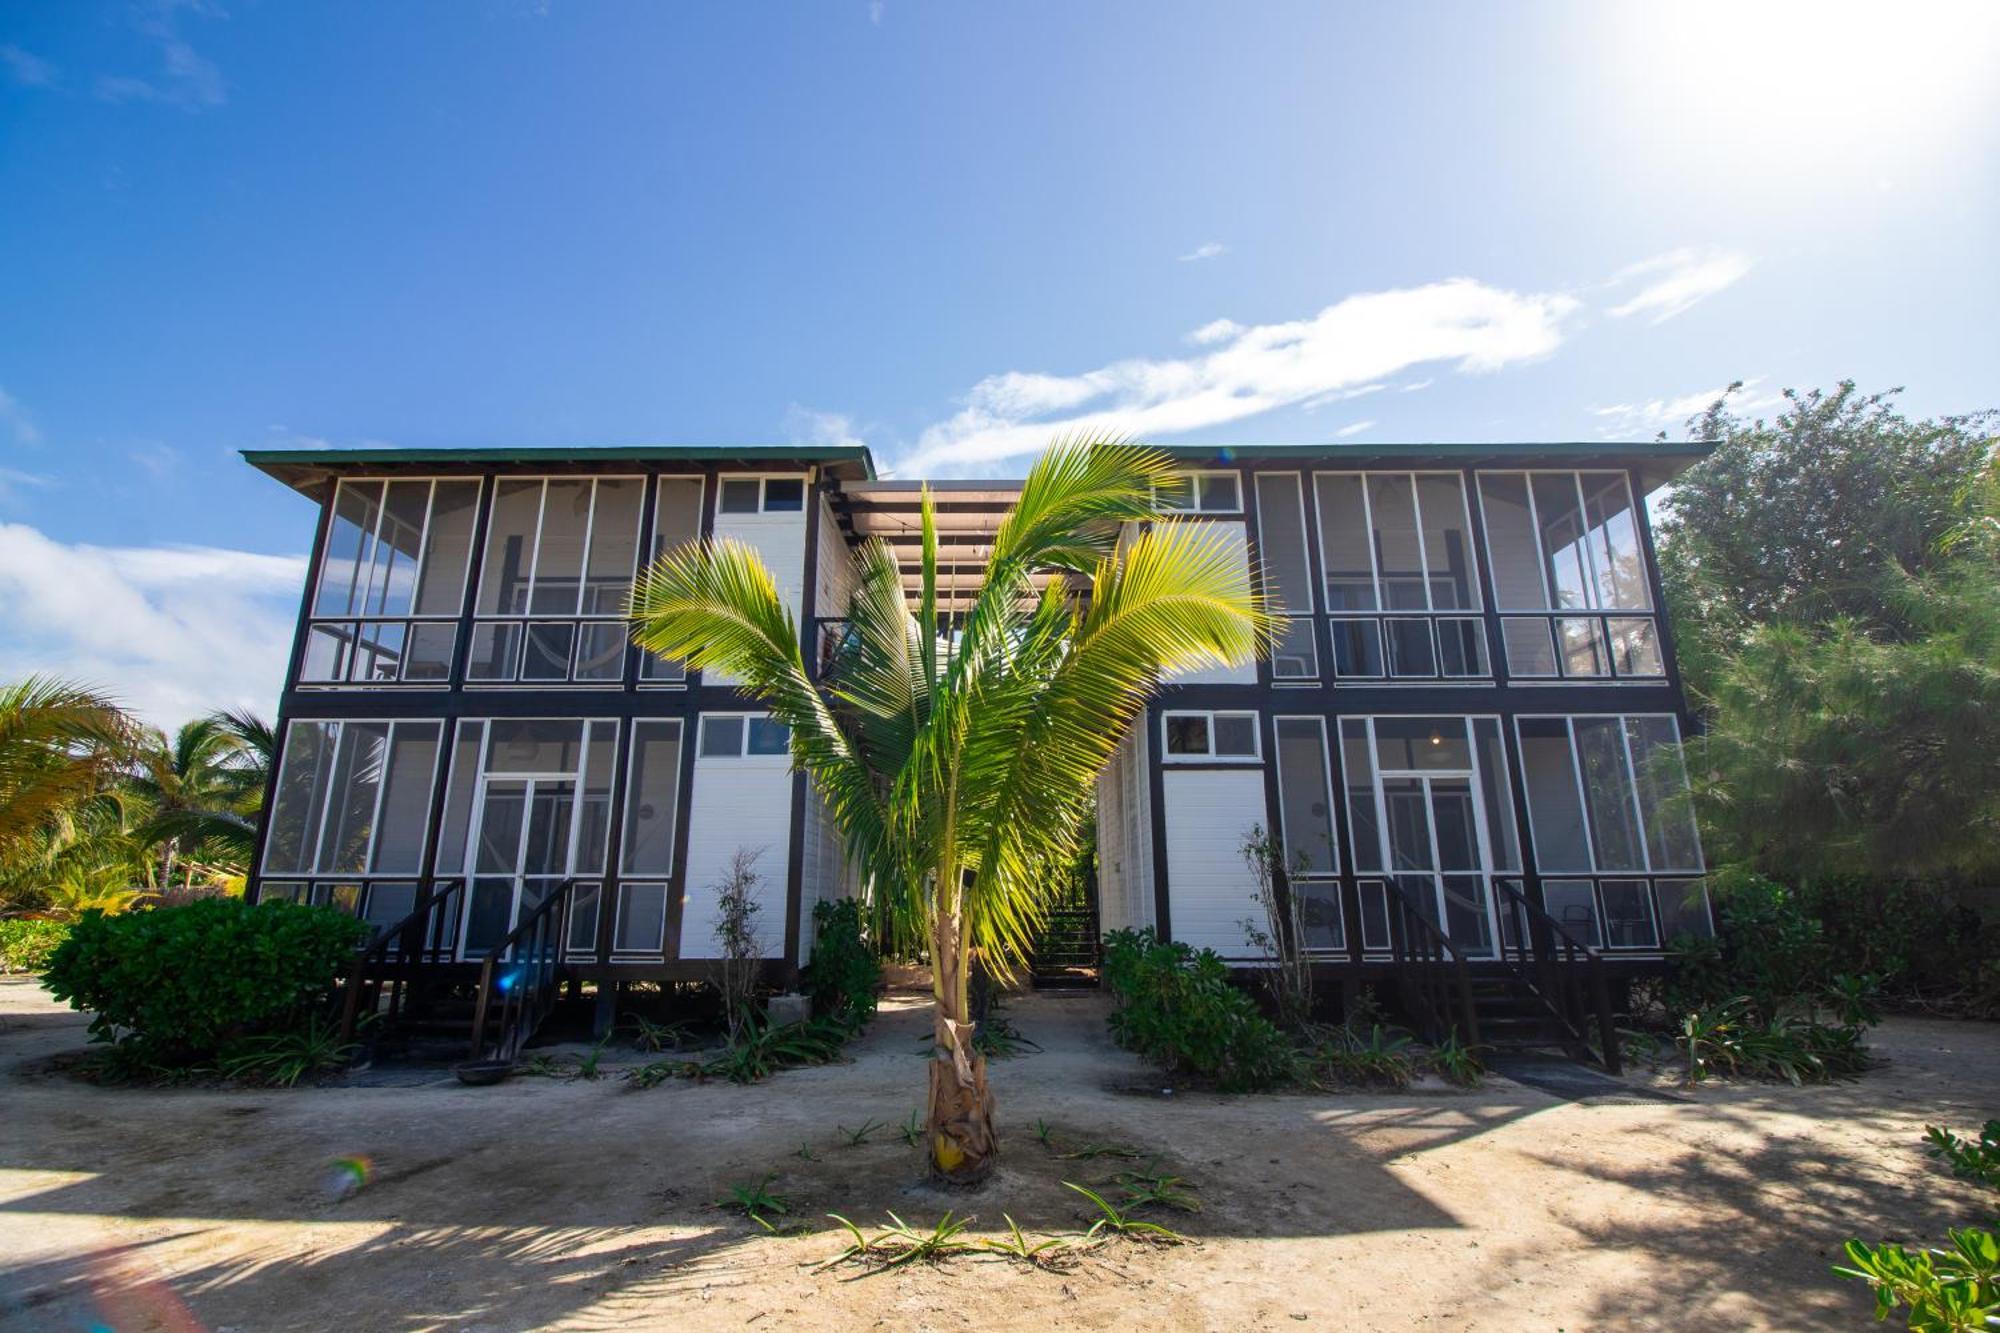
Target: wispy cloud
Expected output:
[25,68]
[1628,421]
[159,461]
[185,78]
[1414,385]
[14,419]
[1347,348]
[1215,331]
[806,426]
[172,631]
[1348,432]
[1675,281]
[875,11]
[13,481]
[1206,250]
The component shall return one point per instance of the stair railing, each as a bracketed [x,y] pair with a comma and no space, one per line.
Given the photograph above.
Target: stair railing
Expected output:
[1565,972]
[520,979]
[1432,978]
[386,975]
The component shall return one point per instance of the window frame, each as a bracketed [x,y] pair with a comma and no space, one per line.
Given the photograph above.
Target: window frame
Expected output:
[1197,479]
[652,672]
[763,479]
[1637,802]
[312,875]
[744,754]
[1592,606]
[1210,757]
[1314,877]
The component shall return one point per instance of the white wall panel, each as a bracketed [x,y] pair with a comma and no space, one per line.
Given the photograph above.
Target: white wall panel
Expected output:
[745,802]
[1209,813]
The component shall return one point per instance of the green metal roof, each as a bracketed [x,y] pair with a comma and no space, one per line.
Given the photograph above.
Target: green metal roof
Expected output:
[302,469]
[1454,449]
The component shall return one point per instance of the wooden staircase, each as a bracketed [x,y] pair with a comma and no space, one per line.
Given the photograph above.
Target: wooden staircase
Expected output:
[1066,953]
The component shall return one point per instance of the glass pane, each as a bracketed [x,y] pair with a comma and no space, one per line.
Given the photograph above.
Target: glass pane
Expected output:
[1187,733]
[1461,647]
[1374,914]
[429,654]
[326,652]
[1410,651]
[559,558]
[1295,658]
[600,653]
[642,919]
[406,800]
[1393,509]
[510,548]
[1219,494]
[1530,650]
[496,651]
[784,495]
[650,798]
[1497,796]
[1305,801]
[583,908]
[1429,744]
[1177,493]
[1617,564]
[1455,823]
[1664,800]
[1348,572]
[1409,815]
[350,816]
[1466,921]
[1574,906]
[614,546]
[740,495]
[1358,765]
[1683,905]
[547,655]
[1565,560]
[1510,541]
[378,652]
[535,745]
[593,834]
[1235,734]
[1319,910]
[392,583]
[458,798]
[551,806]
[1555,811]
[1281,540]
[1454,581]
[676,514]
[1583,652]
[1357,648]
[300,798]
[287,893]
[1635,648]
[722,737]
[441,589]
[768,736]
[500,818]
[345,898]
[357,507]
[1607,788]
[389,902]
[490,914]
[1628,914]
[656,668]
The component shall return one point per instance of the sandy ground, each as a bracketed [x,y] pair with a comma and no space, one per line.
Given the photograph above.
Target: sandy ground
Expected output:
[543,1203]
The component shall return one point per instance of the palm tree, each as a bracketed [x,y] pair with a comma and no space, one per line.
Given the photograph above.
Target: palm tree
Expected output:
[958,753]
[61,746]
[204,788]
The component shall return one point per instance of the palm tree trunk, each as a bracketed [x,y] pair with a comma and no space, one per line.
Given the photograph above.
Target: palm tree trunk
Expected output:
[963,1144]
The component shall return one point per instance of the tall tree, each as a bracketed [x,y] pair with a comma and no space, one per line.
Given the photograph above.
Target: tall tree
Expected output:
[203,788]
[61,746]
[958,752]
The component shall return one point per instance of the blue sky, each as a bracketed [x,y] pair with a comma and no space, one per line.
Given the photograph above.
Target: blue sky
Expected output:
[945,230]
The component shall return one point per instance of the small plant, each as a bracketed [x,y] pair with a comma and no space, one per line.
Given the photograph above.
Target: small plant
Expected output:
[1178,1008]
[586,1066]
[1955,1290]
[899,1243]
[657,1037]
[1044,1134]
[754,1200]
[540,1066]
[1042,1253]
[856,1137]
[1115,1222]
[912,1129]
[281,1059]
[761,1050]
[1149,1187]
[1379,1059]
[1456,1062]
[27,945]
[736,909]
[1090,1152]
[1977,1162]
[805,1153]
[1280,937]
[653,1074]
[844,972]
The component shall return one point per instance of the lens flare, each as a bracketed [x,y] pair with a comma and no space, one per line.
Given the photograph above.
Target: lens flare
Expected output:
[347,1175]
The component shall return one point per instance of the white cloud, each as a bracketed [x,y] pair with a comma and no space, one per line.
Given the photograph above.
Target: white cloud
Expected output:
[1206,250]
[171,632]
[15,420]
[25,68]
[875,9]
[805,426]
[1627,421]
[1347,348]
[1414,385]
[1215,331]
[160,461]
[1677,280]
[1346,432]
[186,78]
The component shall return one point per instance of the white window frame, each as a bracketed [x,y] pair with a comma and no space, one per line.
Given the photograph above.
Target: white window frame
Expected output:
[1197,480]
[763,480]
[1332,806]
[1211,757]
[632,785]
[1569,721]
[324,797]
[658,950]
[1591,606]
[743,752]
[657,488]
[1429,608]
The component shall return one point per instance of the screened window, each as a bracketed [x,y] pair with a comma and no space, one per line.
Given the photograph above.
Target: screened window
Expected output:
[352,798]
[1399,543]
[1287,577]
[1305,829]
[676,522]
[555,579]
[391,583]
[1608,794]
[743,735]
[1204,493]
[762,495]
[1219,736]
[652,788]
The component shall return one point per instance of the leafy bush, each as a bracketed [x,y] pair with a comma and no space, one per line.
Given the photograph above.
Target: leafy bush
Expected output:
[1379,1059]
[179,983]
[27,946]
[1977,1162]
[1955,1289]
[1177,1008]
[283,1058]
[1732,1038]
[844,972]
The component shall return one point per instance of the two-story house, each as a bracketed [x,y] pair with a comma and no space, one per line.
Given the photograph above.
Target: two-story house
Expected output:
[1469,726]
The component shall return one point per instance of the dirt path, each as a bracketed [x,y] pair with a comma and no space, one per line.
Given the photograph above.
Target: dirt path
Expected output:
[587,1204]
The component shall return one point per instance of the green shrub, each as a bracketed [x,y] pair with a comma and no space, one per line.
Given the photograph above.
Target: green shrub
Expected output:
[1732,1038]
[844,972]
[177,984]
[1949,1289]
[1177,1008]
[26,945]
